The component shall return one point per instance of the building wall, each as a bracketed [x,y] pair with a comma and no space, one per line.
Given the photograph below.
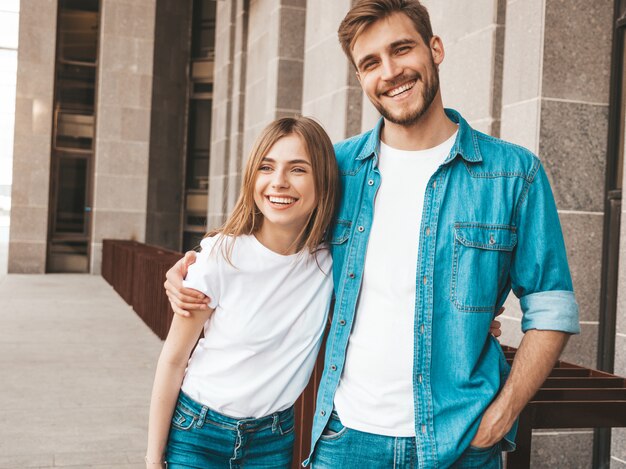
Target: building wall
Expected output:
[9,22]
[123,119]
[260,64]
[555,102]
[471,73]
[335,99]
[32,137]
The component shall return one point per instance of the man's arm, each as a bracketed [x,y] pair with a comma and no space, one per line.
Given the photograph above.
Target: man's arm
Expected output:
[533,361]
[183,300]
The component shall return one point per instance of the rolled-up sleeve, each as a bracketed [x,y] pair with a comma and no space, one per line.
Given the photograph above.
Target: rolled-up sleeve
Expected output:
[540,275]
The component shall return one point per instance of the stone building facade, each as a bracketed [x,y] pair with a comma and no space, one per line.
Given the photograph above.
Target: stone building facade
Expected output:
[534,72]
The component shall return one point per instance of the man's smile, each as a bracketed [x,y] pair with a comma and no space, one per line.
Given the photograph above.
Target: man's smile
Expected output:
[400,89]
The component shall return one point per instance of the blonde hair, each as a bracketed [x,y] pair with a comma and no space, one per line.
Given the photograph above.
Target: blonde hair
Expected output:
[246,219]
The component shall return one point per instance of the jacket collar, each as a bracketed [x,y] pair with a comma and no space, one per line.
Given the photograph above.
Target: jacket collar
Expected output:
[465,145]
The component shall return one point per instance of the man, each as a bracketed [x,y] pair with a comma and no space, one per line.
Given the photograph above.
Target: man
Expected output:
[437,224]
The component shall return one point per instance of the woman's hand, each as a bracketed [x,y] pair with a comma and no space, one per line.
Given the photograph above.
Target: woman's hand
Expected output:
[183,300]
[494,328]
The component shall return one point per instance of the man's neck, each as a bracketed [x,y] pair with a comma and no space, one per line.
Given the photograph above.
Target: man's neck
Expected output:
[433,128]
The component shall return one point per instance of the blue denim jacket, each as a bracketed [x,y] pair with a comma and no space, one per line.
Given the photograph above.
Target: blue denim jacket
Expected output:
[489,225]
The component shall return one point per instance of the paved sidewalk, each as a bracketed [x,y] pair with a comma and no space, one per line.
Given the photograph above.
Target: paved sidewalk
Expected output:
[76,369]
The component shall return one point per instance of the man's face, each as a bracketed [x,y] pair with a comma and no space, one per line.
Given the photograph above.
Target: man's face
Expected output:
[396,69]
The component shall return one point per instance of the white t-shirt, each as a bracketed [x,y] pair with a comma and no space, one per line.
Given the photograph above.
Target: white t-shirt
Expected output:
[375,394]
[261,343]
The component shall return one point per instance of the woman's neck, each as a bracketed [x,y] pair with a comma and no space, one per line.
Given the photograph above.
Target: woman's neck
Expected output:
[281,241]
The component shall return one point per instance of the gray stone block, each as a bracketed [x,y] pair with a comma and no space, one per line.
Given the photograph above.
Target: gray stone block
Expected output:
[562,450]
[582,349]
[577,50]
[583,239]
[291,41]
[573,152]
[618,444]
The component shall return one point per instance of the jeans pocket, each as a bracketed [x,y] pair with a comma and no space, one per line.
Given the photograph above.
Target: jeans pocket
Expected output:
[287,425]
[334,429]
[183,418]
[480,458]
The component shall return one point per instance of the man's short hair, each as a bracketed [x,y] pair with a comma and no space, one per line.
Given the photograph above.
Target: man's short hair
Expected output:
[367,12]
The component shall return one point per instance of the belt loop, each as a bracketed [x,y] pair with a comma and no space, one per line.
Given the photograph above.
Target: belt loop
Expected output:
[275,422]
[202,416]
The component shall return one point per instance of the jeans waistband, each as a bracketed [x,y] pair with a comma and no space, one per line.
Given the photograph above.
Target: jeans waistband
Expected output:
[249,423]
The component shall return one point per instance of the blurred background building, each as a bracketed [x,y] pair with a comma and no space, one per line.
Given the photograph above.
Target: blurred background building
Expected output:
[133,119]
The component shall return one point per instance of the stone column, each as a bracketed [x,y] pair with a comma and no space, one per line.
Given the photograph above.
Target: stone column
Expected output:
[274,70]
[258,78]
[471,73]
[33,136]
[334,98]
[555,102]
[124,94]
[10,18]
[168,123]
[227,116]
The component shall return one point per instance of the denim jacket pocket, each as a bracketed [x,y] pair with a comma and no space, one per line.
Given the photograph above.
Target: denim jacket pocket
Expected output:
[480,260]
[340,232]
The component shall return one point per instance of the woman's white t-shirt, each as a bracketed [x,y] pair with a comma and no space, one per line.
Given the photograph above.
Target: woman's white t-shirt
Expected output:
[261,342]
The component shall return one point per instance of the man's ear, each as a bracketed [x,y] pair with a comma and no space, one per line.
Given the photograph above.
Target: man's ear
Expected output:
[358,75]
[436,50]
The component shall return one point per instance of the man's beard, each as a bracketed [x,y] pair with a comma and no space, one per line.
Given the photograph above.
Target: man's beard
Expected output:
[431,87]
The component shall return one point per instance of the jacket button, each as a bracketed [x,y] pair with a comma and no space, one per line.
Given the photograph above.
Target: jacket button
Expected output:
[322,413]
[351,275]
[360,229]
[342,322]
[370,182]
[333,367]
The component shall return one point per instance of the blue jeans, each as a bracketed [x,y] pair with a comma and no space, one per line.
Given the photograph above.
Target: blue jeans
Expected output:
[204,439]
[343,447]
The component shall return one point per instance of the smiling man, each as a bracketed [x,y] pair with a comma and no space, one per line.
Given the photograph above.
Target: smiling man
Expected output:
[438,222]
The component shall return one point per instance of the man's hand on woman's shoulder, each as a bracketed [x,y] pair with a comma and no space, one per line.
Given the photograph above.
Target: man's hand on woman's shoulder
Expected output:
[184,301]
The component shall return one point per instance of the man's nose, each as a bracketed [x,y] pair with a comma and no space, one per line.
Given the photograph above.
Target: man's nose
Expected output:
[391,69]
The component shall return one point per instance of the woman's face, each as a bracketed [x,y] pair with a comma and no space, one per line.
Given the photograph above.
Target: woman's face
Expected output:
[284,189]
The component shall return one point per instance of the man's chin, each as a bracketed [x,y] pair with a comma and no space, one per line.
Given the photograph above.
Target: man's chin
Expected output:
[404,120]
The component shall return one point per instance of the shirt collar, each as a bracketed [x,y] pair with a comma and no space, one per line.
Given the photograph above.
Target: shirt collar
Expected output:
[465,145]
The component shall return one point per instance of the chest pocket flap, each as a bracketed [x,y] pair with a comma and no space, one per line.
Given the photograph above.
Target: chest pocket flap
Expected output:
[340,232]
[482,236]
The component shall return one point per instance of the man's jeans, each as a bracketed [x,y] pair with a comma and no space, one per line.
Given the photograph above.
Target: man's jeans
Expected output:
[204,439]
[342,447]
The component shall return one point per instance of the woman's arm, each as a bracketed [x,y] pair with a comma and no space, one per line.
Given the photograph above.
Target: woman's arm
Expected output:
[182,337]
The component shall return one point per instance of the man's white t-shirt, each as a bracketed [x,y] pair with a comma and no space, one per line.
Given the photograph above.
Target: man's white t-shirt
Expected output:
[261,343]
[375,393]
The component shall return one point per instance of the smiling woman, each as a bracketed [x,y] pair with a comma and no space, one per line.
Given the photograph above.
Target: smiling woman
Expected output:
[267,274]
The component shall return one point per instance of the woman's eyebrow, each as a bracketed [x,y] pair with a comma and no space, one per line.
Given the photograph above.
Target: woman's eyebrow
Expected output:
[295,161]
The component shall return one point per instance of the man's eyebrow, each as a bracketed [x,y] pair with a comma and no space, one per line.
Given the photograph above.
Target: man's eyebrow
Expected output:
[295,161]
[402,42]
[393,45]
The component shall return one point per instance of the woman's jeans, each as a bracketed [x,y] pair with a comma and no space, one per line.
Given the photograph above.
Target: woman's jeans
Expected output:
[204,439]
[343,447]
